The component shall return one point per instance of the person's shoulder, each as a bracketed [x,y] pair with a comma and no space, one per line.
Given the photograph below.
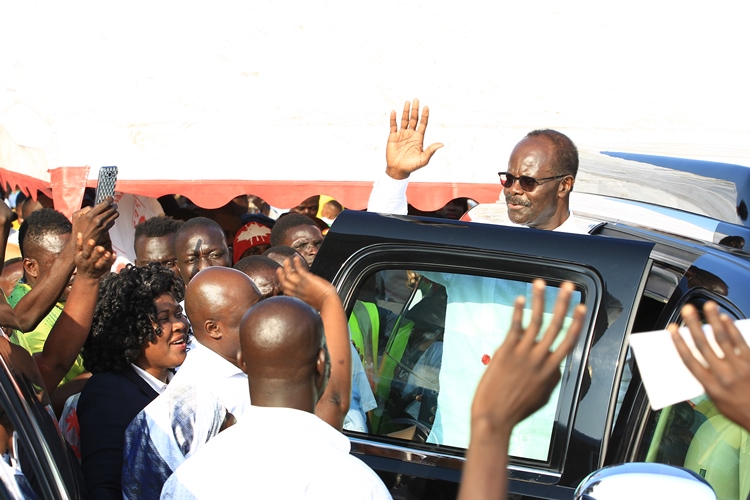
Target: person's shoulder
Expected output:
[107,385]
[189,479]
[355,480]
[18,292]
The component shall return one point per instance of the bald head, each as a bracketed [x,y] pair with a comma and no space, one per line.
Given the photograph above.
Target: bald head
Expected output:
[283,353]
[262,271]
[215,301]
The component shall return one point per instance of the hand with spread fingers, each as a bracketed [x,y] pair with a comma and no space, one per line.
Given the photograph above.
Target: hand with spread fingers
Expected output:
[405,151]
[92,261]
[519,380]
[726,380]
[297,281]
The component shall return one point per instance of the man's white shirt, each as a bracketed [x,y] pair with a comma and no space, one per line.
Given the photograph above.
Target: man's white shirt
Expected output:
[276,453]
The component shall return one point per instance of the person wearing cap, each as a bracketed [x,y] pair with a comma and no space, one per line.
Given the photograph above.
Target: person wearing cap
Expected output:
[253,238]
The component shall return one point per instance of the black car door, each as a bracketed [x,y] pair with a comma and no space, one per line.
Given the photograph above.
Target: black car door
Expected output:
[428,302]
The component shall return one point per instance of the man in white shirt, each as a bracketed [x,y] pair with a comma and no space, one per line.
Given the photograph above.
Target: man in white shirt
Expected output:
[537,184]
[208,391]
[281,449]
[540,174]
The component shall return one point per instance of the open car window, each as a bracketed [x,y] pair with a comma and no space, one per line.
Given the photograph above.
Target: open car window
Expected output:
[693,434]
[424,338]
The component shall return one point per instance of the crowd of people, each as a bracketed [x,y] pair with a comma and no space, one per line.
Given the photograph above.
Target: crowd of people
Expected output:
[217,364]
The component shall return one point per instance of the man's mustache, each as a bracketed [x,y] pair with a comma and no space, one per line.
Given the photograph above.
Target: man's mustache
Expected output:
[517,201]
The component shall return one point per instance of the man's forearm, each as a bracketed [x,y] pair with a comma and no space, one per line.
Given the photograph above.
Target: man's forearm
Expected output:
[334,404]
[66,338]
[40,300]
[388,196]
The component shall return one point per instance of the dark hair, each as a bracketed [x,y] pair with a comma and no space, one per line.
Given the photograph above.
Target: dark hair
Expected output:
[282,250]
[157,227]
[38,225]
[125,316]
[335,204]
[12,260]
[287,222]
[566,153]
[197,222]
[253,263]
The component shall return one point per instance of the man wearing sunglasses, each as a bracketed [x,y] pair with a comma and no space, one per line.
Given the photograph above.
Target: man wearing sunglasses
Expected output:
[537,184]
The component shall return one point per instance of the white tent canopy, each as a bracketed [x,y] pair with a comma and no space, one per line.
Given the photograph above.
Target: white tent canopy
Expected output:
[290,99]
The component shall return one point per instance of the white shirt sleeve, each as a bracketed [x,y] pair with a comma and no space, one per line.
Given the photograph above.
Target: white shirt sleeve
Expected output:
[388,196]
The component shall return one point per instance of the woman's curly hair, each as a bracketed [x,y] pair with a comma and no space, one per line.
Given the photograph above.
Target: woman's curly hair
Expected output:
[125,316]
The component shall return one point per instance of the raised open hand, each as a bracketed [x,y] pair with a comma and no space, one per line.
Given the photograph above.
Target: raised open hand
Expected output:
[523,371]
[519,380]
[94,223]
[297,281]
[404,152]
[92,261]
[726,380]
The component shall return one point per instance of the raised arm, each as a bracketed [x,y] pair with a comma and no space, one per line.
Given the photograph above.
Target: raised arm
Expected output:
[93,224]
[518,381]
[66,338]
[726,380]
[297,281]
[404,154]
[8,316]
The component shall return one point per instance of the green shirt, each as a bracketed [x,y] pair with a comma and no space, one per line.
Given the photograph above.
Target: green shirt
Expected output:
[33,341]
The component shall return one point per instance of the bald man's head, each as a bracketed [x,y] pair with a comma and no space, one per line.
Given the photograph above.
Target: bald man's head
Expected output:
[215,301]
[284,353]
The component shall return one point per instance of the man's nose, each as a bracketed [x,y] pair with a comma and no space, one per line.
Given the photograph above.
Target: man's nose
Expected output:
[203,263]
[515,188]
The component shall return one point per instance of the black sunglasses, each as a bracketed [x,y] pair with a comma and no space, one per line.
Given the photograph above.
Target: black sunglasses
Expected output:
[527,183]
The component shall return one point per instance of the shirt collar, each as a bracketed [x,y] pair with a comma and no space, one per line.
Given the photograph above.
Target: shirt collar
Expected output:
[221,366]
[152,381]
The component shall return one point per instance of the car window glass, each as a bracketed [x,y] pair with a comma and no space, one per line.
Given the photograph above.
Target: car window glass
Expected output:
[693,434]
[424,339]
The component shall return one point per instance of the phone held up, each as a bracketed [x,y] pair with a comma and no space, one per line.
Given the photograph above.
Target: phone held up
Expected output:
[106,184]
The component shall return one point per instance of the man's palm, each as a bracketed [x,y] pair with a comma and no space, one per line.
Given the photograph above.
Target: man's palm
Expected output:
[405,151]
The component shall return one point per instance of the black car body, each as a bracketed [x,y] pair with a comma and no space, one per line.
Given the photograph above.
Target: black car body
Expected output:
[631,279]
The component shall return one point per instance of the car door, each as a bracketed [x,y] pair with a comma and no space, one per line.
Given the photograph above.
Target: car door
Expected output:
[692,434]
[428,302]
[43,457]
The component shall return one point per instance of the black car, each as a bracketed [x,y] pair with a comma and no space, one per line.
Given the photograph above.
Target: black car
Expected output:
[423,294]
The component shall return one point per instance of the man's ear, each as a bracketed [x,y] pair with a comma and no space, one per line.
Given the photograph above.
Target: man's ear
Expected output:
[566,185]
[31,268]
[213,329]
[241,362]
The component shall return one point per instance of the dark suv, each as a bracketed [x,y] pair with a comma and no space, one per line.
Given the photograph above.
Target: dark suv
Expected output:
[435,296]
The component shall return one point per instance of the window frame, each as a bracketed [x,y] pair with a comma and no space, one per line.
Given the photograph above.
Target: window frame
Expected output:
[360,266]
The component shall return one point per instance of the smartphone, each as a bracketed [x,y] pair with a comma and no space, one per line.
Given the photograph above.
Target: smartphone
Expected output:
[105,186]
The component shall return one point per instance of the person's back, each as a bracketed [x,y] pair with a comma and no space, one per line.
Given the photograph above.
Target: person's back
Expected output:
[281,449]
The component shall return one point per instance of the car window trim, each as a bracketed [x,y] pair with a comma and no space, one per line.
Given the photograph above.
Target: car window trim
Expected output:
[362,264]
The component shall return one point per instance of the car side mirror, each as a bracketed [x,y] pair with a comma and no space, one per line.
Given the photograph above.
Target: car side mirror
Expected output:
[644,480]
